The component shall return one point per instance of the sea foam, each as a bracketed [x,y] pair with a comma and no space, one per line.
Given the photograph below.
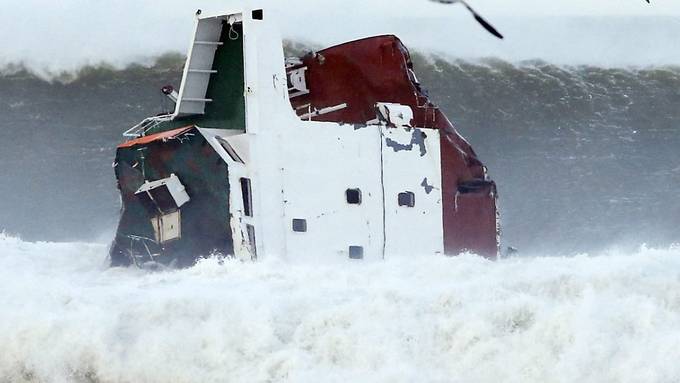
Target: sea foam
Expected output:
[66,317]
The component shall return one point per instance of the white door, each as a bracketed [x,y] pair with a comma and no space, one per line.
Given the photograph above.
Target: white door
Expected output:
[412,191]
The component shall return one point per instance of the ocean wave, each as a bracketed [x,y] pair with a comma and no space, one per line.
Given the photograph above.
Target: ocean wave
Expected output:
[66,317]
[584,156]
[469,67]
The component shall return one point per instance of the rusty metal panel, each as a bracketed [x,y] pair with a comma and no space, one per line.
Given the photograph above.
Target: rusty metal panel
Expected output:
[167,135]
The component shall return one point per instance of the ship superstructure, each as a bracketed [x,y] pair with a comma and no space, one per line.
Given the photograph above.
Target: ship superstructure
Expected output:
[337,154]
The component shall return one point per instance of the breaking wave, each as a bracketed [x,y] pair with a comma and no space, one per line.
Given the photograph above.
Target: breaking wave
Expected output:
[66,317]
[583,156]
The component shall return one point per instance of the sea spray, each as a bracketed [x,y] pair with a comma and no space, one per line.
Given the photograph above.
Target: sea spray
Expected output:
[66,317]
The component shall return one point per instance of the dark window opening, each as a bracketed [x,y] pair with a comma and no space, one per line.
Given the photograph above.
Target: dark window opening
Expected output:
[356,252]
[246,191]
[258,14]
[251,240]
[230,150]
[158,200]
[299,225]
[163,198]
[148,203]
[407,199]
[353,196]
[474,186]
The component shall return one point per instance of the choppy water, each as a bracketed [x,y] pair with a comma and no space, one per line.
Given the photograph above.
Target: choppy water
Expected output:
[66,317]
[583,156]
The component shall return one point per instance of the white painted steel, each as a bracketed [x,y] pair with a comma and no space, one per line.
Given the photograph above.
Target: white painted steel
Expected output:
[301,170]
[238,219]
[414,230]
[395,114]
[322,161]
[174,186]
[321,112]
[200,59]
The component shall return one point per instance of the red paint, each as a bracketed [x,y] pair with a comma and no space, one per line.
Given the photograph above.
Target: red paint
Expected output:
[378,69]
[162,136]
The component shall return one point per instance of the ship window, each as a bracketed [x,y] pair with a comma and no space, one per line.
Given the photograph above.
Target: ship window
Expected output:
[251,240]
[246,191]
[230,150]
[299,225]
[353,196]
[407,199]
[356,252]
[258,14]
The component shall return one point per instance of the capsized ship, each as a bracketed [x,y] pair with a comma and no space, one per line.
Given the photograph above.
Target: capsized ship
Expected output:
[337,154]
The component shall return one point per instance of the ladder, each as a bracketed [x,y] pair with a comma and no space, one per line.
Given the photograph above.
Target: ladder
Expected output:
[199,67]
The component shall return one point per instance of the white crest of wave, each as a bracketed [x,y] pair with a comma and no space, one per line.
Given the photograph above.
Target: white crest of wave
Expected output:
[66,317]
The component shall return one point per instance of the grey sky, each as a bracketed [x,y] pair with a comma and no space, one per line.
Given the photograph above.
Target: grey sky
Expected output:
[66,34]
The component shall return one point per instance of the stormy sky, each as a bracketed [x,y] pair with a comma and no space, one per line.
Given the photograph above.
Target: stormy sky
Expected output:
[53,36]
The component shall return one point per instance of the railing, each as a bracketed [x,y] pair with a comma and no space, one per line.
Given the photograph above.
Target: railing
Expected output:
[139,259]
[147,124]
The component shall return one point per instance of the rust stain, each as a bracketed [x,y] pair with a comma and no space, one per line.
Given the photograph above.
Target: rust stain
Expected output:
[168,135]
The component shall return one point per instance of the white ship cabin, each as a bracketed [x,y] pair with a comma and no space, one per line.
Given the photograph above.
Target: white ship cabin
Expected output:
[305,189]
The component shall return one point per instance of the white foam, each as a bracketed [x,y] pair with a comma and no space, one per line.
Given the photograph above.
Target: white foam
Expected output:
[68,34]
[66,317]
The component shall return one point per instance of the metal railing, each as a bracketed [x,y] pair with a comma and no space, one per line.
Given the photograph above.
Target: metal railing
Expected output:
[147,124]
[139,259]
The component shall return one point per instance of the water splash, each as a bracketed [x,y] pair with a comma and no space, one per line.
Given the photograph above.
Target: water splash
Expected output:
[66,317]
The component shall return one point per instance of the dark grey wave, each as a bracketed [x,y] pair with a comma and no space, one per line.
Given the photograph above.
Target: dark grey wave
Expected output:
[585,157]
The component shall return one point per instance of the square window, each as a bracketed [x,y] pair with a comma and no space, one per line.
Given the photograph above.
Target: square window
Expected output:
[353,196]
[299,225]
[407,199]
[356,252]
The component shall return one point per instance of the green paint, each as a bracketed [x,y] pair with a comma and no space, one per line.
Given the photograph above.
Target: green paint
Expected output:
[226,89]
[205,218]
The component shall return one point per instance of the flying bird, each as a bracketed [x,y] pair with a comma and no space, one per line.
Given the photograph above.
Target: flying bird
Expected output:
[476,15]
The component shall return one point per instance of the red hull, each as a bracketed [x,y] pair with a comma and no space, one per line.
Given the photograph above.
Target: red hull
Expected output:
[379,69]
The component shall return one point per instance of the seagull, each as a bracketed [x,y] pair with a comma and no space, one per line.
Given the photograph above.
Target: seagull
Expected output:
[477,16]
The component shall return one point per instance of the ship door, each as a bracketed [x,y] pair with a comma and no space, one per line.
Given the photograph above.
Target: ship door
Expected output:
[412,191]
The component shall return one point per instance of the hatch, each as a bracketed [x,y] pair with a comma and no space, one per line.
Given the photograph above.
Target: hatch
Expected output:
[163,199]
